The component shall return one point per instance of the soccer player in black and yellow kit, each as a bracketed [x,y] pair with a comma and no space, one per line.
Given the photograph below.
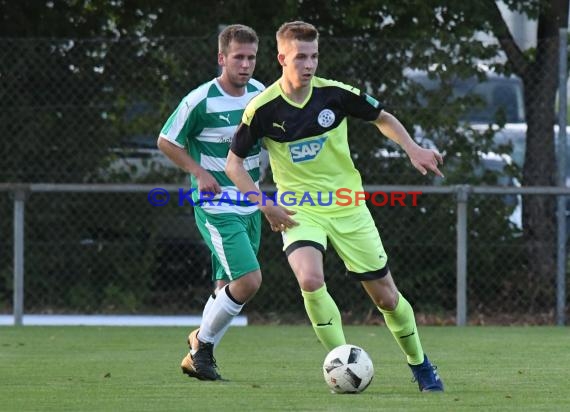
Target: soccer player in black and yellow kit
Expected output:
[302,120]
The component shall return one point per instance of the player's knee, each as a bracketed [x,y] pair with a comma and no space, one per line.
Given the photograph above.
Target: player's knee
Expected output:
[387,304]
[386,300]
[219,285]
[310,285]
[253,280]
[310,280]
[245,288]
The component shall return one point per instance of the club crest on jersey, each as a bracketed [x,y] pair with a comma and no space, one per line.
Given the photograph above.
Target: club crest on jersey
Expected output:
[307,150]
[326,118]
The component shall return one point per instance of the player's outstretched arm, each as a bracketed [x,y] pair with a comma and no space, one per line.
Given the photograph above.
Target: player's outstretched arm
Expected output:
[423,159]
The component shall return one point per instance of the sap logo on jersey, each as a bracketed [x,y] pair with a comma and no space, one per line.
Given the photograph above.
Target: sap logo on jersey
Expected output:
[306,150]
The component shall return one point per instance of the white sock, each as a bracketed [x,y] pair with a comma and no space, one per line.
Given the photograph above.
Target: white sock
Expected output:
[220,334]
[205,311]
[218,317]
[208,305]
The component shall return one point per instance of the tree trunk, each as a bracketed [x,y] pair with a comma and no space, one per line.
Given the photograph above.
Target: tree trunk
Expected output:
[539,72]
[539,212]
[539,224]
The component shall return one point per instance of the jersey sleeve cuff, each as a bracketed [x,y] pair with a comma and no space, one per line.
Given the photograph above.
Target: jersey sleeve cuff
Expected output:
[174,142]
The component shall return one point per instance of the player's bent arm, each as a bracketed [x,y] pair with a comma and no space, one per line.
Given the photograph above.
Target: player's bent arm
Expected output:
[237,173]
[278,217]
[422,159]
[180,158]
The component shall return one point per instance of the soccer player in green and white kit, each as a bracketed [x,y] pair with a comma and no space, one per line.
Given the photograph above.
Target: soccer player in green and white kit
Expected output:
[302,120]
[196,138]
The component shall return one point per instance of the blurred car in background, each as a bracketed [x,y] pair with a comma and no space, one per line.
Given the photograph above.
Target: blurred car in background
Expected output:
[501,97]
[497,96]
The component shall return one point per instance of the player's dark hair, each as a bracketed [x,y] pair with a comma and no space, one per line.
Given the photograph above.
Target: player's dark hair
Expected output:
[238,33]
[297,30]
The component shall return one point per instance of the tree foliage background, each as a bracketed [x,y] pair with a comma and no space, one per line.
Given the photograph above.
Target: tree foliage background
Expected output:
[51,133]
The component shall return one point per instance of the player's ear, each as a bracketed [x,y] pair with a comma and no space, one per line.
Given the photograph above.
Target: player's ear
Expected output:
[281,59]
[221,59]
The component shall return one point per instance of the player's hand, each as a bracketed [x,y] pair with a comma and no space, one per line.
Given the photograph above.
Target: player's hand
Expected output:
[207,183]
[279,217]
[426,159]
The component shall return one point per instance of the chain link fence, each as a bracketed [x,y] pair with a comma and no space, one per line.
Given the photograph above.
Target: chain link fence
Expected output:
[89,111]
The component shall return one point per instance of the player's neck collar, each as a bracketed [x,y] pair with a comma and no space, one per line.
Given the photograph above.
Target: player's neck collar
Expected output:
[298,99]
[223,86]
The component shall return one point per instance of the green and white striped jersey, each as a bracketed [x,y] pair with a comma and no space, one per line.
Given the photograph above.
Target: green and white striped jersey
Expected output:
[204,124]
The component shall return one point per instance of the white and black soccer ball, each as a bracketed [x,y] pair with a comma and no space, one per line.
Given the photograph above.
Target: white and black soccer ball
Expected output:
[348,369]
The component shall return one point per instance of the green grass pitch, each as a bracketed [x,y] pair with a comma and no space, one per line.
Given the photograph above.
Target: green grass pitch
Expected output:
[278,368]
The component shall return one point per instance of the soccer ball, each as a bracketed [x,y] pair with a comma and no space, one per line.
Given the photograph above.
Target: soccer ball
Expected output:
[348,369]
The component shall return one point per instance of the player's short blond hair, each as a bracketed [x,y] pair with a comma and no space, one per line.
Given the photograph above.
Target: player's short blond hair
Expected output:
[238,33]
[296,30]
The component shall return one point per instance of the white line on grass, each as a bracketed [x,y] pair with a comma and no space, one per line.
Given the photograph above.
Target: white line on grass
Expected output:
[111,320]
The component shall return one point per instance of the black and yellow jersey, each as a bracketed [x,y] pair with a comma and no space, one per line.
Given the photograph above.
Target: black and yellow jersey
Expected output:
[307,142]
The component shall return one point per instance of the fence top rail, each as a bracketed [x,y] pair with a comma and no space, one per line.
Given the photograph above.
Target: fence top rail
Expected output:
[483,190]
[142,188]
[133,188]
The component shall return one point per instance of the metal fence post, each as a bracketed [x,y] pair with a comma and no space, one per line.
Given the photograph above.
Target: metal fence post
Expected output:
[19,204]
[462,198]
[561,209]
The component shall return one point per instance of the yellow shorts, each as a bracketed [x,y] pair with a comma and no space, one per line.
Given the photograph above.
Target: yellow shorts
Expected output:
[354,237]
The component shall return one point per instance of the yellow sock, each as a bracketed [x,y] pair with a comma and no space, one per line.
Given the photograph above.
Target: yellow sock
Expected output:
[401,322]
[325,317]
